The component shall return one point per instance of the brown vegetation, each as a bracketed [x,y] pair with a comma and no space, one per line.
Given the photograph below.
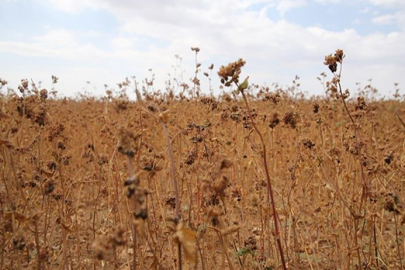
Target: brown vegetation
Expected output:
[169,182]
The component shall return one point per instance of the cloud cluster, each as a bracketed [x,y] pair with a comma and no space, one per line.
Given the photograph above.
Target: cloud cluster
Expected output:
[275,50]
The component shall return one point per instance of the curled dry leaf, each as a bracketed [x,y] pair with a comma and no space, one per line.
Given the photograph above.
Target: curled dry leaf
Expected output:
[187,239]
[164,116]
[140,227]
[230,230]
[17,216]
[7,144]
[3,116]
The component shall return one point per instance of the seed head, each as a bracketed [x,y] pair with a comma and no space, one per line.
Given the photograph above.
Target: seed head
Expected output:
[230,73]
[124,146]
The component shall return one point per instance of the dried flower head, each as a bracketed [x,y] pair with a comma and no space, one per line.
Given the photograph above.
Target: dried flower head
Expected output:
[315,107]
[331,63]
[124,146]
[54,79]
[43,94]
[290,118]
[23,86]
[339,55]
[230,73]
[332,60]
[274,121]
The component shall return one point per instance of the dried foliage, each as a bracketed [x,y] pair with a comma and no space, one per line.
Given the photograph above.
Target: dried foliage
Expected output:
[88,183]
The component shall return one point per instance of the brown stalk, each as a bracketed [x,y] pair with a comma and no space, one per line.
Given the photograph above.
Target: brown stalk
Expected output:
[173,173]
[176,189]
[269,185]
[365,188]
[61,216]
[400,119]
[398,241]
[134,238]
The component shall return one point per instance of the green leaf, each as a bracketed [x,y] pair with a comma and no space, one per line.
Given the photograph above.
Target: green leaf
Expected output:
[243,252]
[244,85]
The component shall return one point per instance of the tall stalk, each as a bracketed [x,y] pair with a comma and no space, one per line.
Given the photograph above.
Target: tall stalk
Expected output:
[270,192]
[176,188]
[230,75]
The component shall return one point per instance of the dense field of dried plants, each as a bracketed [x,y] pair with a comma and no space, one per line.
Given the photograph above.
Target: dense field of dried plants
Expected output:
[259,178]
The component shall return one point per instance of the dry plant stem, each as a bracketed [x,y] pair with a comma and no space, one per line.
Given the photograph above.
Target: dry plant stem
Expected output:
[201,255]
[173,170]
[39,262]
[12,205]
[269,185]
[176,189]
[398,242]
[134,238]
[400,119]
[95,211]
[365,189]
[344,102]
[17,183]
[341,92]
[221,239]
[62,215]
[375,242]
[195,75]
[172,164]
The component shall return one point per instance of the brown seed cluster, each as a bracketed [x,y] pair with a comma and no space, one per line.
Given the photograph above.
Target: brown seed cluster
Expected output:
[230,74]
[332,60]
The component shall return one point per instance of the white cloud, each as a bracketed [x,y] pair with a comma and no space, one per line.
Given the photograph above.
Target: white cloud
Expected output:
[327,1]
[385,19]
[397,18]
[224,30]
[390,3]
[57,43]
[121,43]
[57,38]
[73,6]
[285,5]
[365,10]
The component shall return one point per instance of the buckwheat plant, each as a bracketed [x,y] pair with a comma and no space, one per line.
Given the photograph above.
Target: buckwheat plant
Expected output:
[230,75]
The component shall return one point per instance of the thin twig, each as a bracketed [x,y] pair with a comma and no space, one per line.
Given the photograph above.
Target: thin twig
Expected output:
[269,185]
[400,119]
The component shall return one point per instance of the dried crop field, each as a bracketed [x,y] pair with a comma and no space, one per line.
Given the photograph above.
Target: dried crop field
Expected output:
[169,182]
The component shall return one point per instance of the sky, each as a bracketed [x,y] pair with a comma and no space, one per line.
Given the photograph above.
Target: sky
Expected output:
[91,43]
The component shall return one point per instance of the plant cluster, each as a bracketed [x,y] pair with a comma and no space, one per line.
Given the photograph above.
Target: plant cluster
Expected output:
[259,178]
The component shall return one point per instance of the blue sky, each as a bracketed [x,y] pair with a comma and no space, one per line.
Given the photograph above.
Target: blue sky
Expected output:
[104,41]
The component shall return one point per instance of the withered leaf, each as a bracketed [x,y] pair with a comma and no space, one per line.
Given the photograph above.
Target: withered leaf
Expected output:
[230,230]
[187,239]
[7,144]
[17,216]
[140,227]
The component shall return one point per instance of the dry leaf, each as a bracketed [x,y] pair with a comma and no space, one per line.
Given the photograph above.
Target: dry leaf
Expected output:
[154,265]
[3,115]
[187,239]
[164,116]
[7,144]
[17,216]
[140,227]
[230,230]
[67,226]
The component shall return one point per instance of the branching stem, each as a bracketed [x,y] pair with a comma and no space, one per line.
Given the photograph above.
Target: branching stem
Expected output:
[269,185]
